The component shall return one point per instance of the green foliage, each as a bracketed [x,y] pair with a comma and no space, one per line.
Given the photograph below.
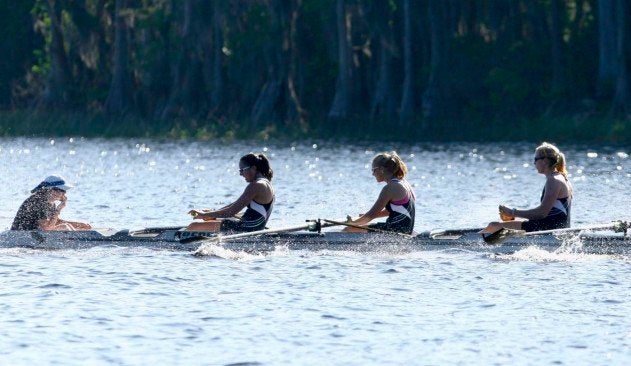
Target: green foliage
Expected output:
[498,83]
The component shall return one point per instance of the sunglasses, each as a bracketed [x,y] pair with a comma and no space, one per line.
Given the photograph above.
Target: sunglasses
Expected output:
[241,170]
[539,158]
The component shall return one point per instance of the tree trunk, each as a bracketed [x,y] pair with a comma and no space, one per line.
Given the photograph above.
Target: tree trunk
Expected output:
[119,100]
[296,111]
[607,41]
[407,96]
[556,30]
[384,104]
[265,108]
[279,98]
[436,98]
[620,105]
[56,92]
[216,81]
[342,104]
[188,87]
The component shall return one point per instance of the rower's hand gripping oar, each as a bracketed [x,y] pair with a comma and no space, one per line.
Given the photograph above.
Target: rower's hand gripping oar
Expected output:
[502,234]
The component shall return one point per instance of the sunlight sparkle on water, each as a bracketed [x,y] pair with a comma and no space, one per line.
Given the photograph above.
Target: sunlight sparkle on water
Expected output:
[592,155]
[622,155]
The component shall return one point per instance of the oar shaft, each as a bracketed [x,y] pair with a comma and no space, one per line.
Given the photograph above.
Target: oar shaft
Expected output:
[572,229]
[263,232]
[368,228]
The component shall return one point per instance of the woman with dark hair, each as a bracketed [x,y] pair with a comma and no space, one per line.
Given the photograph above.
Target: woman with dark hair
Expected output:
[39,212]
[258,197]
[396,200]
[556,199]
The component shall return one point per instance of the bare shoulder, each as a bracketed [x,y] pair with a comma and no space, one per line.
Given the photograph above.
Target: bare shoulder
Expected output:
[261,188]
[261,184]
[559,183]
[396,188]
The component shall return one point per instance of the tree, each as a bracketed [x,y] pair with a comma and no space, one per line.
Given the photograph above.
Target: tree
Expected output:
[436,98]
[119,100]
[620,105]
[17,41]
[608,66]
[57,90]
[278,97]
[188,89]
[407,95]
[383,104]
[342,106]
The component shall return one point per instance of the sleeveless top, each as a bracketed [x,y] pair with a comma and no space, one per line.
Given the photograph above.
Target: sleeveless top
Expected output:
[557,218]
[560,210]
[402,212]
[257,214]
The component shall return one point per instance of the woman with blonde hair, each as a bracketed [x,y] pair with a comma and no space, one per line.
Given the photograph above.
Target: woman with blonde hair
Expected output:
[396,200]
[556,199]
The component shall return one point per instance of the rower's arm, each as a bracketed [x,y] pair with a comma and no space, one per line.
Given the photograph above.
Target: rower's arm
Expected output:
[234,208]
[49,224]
[377,209]
[553,187]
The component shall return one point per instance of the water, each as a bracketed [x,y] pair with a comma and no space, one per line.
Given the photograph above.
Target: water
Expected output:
[139,306]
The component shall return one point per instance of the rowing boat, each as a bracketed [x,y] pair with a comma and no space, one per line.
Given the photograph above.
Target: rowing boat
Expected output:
[176,238]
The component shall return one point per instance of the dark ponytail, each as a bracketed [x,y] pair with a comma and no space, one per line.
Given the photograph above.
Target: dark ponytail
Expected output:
[260,162]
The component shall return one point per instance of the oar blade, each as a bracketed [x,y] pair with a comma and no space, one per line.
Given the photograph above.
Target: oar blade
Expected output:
[501,235]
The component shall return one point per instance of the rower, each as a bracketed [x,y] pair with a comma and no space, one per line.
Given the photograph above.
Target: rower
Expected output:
[258,197]
[39,211]
[556,199]
[396,200]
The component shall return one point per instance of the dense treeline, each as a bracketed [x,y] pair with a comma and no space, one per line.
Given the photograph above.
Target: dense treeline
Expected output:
[460,69]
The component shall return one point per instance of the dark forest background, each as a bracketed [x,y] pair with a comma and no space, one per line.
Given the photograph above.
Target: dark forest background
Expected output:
[401,69]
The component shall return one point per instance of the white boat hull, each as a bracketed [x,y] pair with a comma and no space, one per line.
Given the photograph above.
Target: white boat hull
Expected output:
[173,239]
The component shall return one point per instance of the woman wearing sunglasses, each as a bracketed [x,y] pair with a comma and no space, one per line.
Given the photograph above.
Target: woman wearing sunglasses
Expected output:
[396,200]
[39,211]
[258,197]
[556,199]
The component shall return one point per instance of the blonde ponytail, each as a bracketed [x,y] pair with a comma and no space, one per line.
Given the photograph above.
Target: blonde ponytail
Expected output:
[392,163]
[555,156]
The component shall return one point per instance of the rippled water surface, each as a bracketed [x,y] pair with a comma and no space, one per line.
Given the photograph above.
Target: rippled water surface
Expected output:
[112,305]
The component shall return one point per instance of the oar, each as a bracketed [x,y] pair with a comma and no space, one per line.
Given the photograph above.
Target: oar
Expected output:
[503,233]
[367,228]
[313,225]
[155,230]
[452,233]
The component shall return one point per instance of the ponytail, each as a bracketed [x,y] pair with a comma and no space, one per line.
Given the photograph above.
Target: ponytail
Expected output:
[261,163]
[556,157]
[392,163]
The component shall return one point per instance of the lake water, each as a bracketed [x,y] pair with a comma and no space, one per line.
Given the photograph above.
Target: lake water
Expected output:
[140,306]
